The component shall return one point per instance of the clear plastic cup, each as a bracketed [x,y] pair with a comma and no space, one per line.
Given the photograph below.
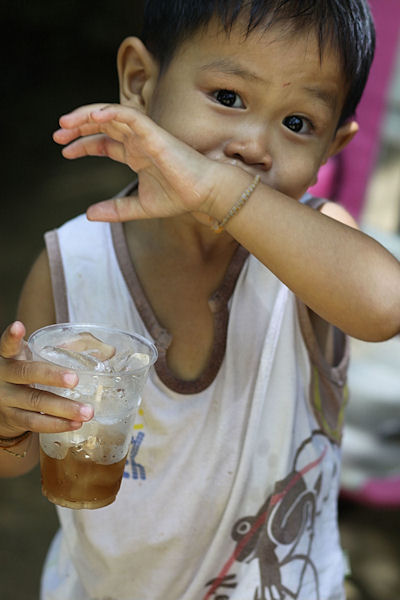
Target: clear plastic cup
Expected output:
[84,468]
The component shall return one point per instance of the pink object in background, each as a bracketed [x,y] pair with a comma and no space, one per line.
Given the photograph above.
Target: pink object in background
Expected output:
[376,492]
[346,180]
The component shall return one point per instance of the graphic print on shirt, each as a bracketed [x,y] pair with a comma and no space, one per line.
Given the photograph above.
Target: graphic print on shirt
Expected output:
[133,469]
[280,535]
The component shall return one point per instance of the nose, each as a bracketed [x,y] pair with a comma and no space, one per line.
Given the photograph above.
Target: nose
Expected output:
[251,147]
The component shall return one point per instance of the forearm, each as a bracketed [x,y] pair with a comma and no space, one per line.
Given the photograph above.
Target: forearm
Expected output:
[340,273]
[20,459]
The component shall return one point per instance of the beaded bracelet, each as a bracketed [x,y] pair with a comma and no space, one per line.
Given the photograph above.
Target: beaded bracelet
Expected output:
[219,227]
[7,443]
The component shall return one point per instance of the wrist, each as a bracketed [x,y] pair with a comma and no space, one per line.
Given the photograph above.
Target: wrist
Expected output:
[10,442]
[233,189]
[11,445]
[219,226]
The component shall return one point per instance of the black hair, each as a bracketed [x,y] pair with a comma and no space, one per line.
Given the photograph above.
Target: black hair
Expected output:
[345,24]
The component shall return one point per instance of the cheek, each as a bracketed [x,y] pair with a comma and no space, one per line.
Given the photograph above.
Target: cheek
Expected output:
[191,130]
[185,116]
[296,175]
[178,121]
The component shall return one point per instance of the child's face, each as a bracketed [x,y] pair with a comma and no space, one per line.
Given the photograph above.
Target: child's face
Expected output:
[267,104]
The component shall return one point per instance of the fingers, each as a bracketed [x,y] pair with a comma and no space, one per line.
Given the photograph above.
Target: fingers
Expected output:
[82,115]
[116,210]
[38,423]
[84,136]
[129,122]
[79,115]
[30,372]
[117,121]
[11,339]
[30,408]
[96,145]
[25,408]
[83,122]
[66,136]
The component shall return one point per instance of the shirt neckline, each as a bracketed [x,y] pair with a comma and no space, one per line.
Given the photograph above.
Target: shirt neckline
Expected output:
[218,303]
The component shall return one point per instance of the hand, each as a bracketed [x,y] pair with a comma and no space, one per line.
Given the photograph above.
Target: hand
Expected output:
[173,177]
[24,408]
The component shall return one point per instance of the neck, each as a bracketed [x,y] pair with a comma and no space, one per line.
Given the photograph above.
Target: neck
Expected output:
[185,235]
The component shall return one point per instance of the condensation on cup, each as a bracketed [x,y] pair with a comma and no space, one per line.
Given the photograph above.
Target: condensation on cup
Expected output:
[84,468]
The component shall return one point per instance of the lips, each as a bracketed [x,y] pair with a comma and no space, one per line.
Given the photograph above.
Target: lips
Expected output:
[238,163]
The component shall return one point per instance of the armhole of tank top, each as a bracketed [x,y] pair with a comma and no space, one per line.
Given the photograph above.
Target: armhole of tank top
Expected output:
[57,276]
[328,390]
[332,358]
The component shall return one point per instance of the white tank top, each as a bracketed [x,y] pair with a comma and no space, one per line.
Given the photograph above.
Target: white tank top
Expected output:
[230,489]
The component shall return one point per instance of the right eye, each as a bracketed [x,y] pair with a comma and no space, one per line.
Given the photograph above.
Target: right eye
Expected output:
[228,98]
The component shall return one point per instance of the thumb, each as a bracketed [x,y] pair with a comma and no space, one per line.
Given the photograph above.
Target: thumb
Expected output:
[12,343]
[126,208]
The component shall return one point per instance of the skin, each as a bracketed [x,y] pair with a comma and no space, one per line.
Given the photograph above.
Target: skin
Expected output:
[225,110]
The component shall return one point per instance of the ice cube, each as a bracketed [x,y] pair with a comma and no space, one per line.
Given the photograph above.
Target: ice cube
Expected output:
[71,359]
[127,361]
[91,443]
[88,344]
[53,448]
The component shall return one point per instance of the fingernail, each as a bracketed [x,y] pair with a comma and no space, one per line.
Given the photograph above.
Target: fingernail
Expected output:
[15,327]
[86,411]
[70,379]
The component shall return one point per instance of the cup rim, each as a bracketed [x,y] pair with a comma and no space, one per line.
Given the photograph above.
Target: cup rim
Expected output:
[97,326]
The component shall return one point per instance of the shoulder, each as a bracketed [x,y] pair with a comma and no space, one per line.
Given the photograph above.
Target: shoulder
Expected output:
[36,305]
[337,212]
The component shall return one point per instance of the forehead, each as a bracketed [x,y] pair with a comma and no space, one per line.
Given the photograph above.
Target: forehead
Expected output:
[272,56]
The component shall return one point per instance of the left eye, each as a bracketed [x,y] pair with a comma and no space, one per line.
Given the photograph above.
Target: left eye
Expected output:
[297,124]
[228,98]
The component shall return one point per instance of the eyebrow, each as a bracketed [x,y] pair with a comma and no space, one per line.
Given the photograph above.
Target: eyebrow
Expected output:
[330,100]
[230,67]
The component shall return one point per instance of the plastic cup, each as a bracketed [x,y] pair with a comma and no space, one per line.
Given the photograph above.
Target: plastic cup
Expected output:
[84,468]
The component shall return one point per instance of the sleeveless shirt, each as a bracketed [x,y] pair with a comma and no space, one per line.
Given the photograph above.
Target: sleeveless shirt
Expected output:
[230,487]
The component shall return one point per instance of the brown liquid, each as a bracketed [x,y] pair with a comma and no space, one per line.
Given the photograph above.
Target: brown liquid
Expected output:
[78,482]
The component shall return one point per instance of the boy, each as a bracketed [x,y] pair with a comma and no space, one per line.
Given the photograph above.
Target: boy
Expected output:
[227,111]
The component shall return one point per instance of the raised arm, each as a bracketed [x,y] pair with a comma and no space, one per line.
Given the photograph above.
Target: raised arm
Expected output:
[340,273]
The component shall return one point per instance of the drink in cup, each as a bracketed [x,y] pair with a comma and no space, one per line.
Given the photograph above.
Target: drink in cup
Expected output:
[84,468]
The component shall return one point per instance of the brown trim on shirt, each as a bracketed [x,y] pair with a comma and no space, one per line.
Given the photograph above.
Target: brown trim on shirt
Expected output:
[57,276]
[328,391]
[218,303]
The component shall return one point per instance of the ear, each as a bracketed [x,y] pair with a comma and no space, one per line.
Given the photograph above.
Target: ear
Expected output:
[343,136]
[137,73]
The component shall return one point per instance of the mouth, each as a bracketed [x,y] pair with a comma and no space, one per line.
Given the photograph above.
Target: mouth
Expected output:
[247,169]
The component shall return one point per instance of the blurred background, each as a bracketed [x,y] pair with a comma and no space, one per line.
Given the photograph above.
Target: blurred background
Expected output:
[60,54]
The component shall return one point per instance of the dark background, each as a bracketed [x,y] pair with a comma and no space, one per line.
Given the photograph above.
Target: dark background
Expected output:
[56,56]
